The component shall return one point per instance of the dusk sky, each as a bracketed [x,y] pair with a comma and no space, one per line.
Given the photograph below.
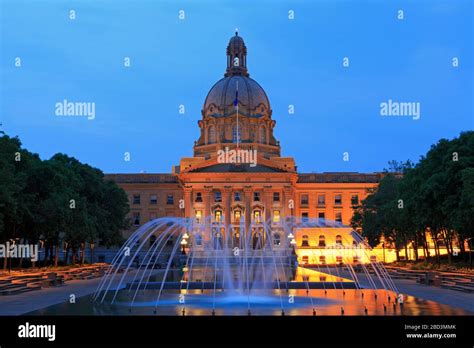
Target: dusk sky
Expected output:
[297,62]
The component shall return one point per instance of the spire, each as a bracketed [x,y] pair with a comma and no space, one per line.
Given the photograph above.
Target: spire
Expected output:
[236,56]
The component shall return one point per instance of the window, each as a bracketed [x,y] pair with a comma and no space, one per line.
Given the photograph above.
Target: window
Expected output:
[338,217]
[218,216]
[198,216]
[305,259]
[256,196]
[198,240]
[304,200]
[136,219]
[217,196]
[355,199]
[339,260]
[136,199]
[338,199]
[305,241]
[276,239]
[322,260]
[153,199]
[276,196]
[322,200]
[355,259]
[276,216]
[321,215]
[169,199]
[304,217]
[339,239]
[237,197]
[211,137]
[322,241]
[198,198]
[263,135]
[237,215]
[257,216]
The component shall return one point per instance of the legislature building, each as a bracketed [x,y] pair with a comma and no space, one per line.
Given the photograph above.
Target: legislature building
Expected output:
[237,176]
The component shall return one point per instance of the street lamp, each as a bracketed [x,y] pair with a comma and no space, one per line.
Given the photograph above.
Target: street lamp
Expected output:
[183,243]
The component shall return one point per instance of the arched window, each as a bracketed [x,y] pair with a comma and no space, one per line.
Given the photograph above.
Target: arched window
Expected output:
[276,239]
[322,260]
[263,135]
[305,242]
[322,241]
[257,217]
[339,239]
[236,136]
[211,135]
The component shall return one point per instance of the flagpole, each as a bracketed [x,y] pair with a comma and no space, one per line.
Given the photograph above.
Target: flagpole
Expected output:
[237,108]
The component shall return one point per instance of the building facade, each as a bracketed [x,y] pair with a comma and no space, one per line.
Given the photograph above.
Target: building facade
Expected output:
[238,177]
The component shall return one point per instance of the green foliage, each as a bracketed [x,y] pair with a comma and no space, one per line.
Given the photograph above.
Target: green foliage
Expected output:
[59,198]
[436,194]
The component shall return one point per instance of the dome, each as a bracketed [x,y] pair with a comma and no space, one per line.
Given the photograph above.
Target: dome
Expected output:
[236,84]
[252,99]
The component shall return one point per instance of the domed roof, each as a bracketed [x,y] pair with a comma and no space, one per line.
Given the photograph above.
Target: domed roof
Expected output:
[252,99]
[236,85]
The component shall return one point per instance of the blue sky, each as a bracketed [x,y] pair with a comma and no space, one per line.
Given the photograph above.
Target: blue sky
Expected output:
[173,62]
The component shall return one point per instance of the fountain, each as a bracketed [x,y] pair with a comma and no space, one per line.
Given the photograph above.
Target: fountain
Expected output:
[184,266]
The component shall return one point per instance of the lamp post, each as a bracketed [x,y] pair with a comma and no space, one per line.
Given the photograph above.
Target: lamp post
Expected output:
[183,245]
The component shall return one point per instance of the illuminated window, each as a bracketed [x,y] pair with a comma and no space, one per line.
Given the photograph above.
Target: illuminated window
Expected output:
[198,216]
[237,215]
[322,260]
[218,216]
[256,216]
[305,241]
[276,216]
[322,241]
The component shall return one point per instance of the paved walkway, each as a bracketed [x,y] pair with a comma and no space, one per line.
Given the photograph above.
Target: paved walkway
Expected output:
[34,300]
